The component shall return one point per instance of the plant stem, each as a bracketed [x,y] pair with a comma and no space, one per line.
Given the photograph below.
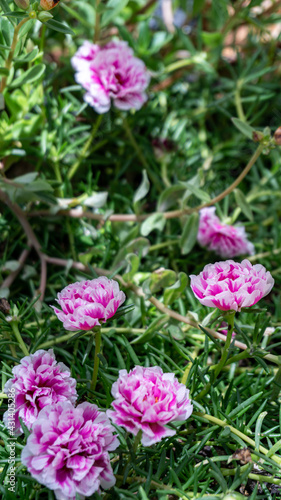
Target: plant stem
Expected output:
[96,359]
[240,434]
[238,102]
[9,61]
[220,365]
[230,321]
[137,441]
[18,336]
[84,151]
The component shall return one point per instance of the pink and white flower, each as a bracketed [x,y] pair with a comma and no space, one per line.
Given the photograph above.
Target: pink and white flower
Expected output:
[67,450]
[229,286]
[146,399]
[223,239]
[111,72]
[39,380]
[86,304]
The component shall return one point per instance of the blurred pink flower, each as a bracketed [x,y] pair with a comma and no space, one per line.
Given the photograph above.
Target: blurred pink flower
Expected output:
[229,285]
[146,399]
[39,380]
[111,72]
[67,450]
[223,239]
[85,303]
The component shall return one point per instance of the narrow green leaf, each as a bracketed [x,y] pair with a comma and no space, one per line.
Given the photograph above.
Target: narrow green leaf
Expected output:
[154,221]
[243,204]
[143,188]
[57,26]
[189,234]
[29,76]
[243,127]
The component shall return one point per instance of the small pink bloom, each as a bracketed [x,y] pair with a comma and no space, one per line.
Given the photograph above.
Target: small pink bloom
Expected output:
[223,239]
[67,450]
[39,380]
[146,399]
[111,72]
[230,286]
[87,303]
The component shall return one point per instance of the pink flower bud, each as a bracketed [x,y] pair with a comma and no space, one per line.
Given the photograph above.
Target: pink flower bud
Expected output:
[48,4]
[22,4]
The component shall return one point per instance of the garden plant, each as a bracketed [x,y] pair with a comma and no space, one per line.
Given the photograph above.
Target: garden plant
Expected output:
[140,263]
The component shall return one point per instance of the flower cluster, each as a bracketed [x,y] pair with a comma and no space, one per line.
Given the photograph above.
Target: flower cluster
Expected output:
[67,450]
[87,303]
[110,73]
[223,239]
[229,286]
[146,399]
[39,380]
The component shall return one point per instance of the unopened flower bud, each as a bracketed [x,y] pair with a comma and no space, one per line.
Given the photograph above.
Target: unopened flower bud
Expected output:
[44,16]
[257,136]
[48,4]
[277,136]
[22,4]
[4,306]
[32,14]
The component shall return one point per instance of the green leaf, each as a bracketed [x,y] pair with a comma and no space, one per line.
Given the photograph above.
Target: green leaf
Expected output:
[5,6]
[170,196]
[189,234]
[174,292]
[197,6]
[155,326]
[31,56]
[4,71]
[243,204]
[19,14]
[29,76]
[243,127]
[114,7]
[133,265]
[57,26]
[199,193]
[162,278]
[213,40]
[154,221]
[143,188]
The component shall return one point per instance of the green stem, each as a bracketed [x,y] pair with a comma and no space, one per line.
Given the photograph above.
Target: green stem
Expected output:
[234,359]
[168,243]
[17,334]
[84,151]
[96,360]
[243,436]
[238,102]
[255,477]
[9,61]
[137,441]
[230,321]
[220,365]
